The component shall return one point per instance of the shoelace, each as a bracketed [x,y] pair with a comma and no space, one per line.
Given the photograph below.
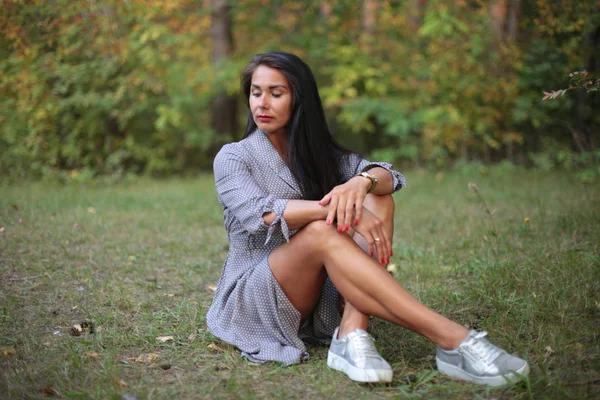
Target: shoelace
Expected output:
[363,344]
[482,348]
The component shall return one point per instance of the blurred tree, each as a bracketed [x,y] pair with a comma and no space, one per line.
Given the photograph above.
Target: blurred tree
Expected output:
[224,106]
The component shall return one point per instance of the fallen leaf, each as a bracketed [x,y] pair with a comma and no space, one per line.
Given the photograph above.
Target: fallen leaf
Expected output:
[49,392]
[76,330]
[1,229]
[192,337]
[121,382]
[93,354]
[165,339]
[391,268]
[8,352]
[74,307]
[47,344]
[146,358]
[171,295]
[211,287]
[548,351]
[91,210]
[15,207]
[214,347]
[88,326]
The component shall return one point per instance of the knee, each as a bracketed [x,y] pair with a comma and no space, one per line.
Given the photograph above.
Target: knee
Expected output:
[317,228]
[383,206]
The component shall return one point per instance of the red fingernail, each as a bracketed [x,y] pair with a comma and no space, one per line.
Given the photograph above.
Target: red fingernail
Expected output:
[356,222]
[391,253]
[371,254]
[347,228]
[328,222]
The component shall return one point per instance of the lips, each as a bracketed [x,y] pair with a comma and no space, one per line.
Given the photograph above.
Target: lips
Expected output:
[264,118]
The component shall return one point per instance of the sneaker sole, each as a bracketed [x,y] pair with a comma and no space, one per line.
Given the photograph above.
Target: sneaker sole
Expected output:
[356,374]
[499,380]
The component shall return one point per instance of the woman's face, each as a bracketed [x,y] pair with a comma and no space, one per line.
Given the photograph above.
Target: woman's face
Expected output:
[270,100]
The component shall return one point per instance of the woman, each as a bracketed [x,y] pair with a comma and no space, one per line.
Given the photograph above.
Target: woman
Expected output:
[308,221]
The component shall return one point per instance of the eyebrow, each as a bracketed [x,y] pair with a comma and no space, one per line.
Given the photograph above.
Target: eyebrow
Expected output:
[270,87]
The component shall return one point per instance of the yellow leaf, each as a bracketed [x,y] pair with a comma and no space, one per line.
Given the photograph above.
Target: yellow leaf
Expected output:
[165,339]
[93,354]
[146,358]
[214,347]
[8,352]
[211,287]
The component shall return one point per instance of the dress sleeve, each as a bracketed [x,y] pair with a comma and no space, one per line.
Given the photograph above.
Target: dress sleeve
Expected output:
[355,164]
[238,192]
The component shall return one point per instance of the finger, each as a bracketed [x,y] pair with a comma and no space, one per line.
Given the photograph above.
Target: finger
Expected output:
[370,243]
[341,211]
[380,244]
[388,242]
[386,245]
[332,210]
[358,210]
[349,213]
[326,199]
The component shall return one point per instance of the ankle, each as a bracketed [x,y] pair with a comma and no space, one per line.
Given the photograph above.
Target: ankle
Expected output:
[454,339]
[346,328]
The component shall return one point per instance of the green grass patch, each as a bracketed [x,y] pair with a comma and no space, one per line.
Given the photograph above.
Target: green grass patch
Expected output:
[137,260]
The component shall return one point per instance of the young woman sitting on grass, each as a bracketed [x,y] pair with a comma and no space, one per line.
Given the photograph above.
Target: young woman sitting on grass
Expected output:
[309,221]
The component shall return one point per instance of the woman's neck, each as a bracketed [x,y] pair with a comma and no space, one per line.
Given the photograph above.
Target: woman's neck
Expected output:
[279,141]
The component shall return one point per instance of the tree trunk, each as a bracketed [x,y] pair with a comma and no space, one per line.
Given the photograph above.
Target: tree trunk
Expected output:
[512,29]
[498,14]
[223,107]
[415,12]
[325,9]
[369,18]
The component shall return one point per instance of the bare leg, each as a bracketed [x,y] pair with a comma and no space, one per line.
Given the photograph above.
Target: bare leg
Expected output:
[318,250]
[383,208]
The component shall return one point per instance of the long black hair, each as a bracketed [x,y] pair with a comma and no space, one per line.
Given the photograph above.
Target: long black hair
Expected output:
[313,155]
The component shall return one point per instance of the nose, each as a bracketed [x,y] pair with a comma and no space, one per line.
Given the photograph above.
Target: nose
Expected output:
[263,102]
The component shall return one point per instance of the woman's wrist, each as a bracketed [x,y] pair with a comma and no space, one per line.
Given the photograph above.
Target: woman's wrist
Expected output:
[366,182]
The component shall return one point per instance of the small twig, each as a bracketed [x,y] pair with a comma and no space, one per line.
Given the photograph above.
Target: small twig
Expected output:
[592,382]
[21,279]
[473,187]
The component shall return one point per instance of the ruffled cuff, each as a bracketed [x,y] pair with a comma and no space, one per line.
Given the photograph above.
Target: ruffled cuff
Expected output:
[398,179]
[279,222]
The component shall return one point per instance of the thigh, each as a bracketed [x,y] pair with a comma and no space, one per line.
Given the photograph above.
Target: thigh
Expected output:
[298,270]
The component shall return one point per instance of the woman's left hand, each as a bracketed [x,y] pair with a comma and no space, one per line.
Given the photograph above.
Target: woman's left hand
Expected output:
[345,200]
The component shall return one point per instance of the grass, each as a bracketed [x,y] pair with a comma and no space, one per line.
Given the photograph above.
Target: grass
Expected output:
[137,260]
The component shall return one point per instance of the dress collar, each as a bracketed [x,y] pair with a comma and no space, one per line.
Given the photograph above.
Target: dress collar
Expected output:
[263,150]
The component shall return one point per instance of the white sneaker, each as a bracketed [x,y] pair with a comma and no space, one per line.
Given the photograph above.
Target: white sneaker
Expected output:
[356,356]
[477,360]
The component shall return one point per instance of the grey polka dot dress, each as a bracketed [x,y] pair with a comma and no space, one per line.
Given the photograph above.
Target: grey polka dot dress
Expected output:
[249,309]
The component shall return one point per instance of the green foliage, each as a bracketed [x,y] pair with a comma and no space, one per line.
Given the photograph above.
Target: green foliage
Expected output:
[112,87]
[94,90]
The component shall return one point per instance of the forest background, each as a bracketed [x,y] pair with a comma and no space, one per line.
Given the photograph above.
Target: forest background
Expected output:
[115,87]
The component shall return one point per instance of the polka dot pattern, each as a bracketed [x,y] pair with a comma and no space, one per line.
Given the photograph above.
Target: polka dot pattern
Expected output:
[249,309]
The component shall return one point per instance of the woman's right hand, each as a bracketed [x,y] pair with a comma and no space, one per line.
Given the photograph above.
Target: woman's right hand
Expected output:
[371,228]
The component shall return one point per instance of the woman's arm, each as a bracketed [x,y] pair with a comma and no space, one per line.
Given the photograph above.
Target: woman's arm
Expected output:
[298,213]
[385,181]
